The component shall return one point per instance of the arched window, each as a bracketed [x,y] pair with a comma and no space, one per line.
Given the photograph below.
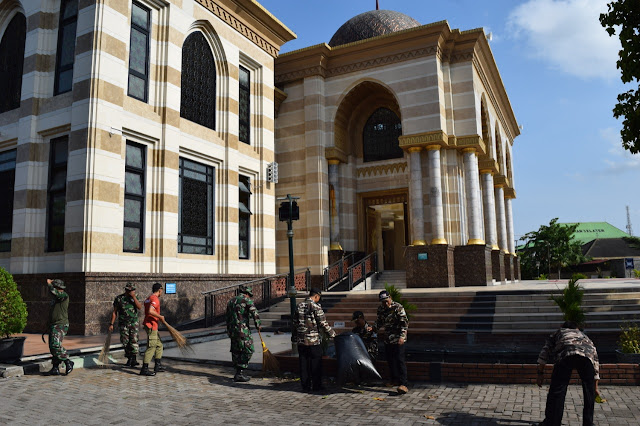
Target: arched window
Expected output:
[11,60]
[498,150]
[198,92]
[484,118]
[380,136]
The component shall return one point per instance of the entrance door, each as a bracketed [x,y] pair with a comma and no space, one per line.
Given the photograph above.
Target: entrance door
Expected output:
[386,234]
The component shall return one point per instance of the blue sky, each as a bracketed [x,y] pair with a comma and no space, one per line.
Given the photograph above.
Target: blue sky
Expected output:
[558,67]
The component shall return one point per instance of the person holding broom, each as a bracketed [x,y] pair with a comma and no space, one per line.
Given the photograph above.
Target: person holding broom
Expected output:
[240,310]
[58,326]
[154,344]
[126,307]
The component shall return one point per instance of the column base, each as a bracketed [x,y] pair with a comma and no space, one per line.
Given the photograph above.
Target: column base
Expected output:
[436,271]
[508,266]
[475,242]
[497,266]
[438,241]
[419,243]
[473,265]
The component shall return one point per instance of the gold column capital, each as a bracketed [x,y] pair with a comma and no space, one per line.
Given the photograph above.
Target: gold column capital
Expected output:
[433,147]
[332,161]
[465,150]
[413,149]
[486,171]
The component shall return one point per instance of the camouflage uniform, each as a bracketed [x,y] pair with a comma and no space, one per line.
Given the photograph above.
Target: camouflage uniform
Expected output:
[128,323]
[58,323]
[308,319]
[369,338]
[571,349]
[240,310]
[395,322]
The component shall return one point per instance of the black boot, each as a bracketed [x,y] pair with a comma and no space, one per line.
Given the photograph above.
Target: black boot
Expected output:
[144,371]
[239,377]
[133,361]
[69,365]
[54,370]
[158,368]
[128,364]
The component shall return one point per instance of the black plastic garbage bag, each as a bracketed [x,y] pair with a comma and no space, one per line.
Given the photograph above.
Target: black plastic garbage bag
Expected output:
[354,364]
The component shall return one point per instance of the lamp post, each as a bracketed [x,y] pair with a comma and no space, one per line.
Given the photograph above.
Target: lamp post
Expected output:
[289,212]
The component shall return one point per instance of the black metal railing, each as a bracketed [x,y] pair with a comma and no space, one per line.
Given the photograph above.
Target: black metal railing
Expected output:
[362,269]
[337,271]
[267,291]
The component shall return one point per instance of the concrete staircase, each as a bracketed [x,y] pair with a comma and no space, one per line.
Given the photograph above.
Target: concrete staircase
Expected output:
[395,278]
[278,317]
[509,320]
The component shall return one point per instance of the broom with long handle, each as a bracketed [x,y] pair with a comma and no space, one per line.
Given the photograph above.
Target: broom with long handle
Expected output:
[104,353]
[181,341]
[270,363]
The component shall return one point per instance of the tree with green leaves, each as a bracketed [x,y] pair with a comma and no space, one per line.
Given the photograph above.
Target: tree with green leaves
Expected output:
[13,310]
[550,247]
[623,16]
[570,302]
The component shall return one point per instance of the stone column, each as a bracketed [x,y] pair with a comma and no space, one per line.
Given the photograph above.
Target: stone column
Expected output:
[511,244]
[501,220]
[472,186]
[435,195]
[490,228]
[334,211]
[417,203]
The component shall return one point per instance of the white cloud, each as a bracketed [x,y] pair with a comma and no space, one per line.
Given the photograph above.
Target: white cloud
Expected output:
[620,160]
[567,34]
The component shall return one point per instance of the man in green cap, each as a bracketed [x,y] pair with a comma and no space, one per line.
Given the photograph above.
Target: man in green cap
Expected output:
[240,310]
[126,307]
[58,326]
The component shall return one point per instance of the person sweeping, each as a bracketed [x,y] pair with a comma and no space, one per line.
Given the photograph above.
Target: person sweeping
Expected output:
[154,344]
[126,307]
[240,310]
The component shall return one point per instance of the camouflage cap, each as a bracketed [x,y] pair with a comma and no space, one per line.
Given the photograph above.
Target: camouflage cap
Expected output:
[356,315]
[246,290]
[383,295]
[58,284]
[130,286]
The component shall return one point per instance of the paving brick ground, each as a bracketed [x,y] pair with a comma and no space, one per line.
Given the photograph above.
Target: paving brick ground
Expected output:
[199,394]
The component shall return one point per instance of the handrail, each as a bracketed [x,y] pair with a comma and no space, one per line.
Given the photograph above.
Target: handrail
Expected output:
[266,292]
[339,265]
[362,269]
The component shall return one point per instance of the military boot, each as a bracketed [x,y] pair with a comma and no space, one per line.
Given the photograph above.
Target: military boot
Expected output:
[128,363]
[69,365]
[239,377]
[54,370]
[133,361]
[144,371]
[158,368]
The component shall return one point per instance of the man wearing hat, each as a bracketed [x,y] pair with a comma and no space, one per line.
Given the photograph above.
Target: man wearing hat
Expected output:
[58,326]
[393,320]
[308,319]
[126,307]
[366,333]
[240,310]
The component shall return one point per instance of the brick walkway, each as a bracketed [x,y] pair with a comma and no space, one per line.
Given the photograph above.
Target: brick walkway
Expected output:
[198,394]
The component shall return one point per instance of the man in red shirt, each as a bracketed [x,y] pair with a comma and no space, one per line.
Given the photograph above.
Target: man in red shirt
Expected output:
[154,345]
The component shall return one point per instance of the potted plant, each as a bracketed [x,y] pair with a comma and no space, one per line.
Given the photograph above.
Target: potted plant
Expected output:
[13,319]
[629,344]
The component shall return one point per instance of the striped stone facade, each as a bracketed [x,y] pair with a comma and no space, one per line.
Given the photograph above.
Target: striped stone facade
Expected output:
[458,130]
[99,118]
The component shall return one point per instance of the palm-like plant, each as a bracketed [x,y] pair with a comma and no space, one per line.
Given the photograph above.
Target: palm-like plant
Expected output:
[570,302]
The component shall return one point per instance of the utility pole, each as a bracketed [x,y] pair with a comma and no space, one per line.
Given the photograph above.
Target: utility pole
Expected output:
[629,230]
[289,211]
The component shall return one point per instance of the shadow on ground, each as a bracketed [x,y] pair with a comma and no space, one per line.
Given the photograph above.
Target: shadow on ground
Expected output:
[470,419]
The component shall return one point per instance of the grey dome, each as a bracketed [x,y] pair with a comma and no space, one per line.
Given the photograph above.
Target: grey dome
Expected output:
[372,24]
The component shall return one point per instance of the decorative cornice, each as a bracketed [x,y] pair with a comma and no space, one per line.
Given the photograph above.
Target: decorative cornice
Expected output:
[509,193]
[9,143]
[501,180]
[471,141]
[333,153]
[383,60]
[423,139]
[65,128]
[243,29]
[382,169]
[488,166]
[300,74]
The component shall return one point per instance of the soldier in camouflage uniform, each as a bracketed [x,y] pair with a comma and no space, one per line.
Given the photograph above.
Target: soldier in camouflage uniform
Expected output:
[366,333]
[308,319]
[240,310]
[58,326]
[393,320]
[126,307]
[571,349]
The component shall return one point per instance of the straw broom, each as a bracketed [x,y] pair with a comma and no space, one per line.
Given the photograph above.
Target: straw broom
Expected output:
[104,353]
[270,363]
[181,341]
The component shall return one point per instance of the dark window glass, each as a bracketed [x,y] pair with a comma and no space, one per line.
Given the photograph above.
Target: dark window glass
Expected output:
[244,207]
[245,105]
[139,52]
[198,81]
[134,193]
[7,181]
[57,193]
[195,215]
[66,46]
[11,61]
[380,136]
